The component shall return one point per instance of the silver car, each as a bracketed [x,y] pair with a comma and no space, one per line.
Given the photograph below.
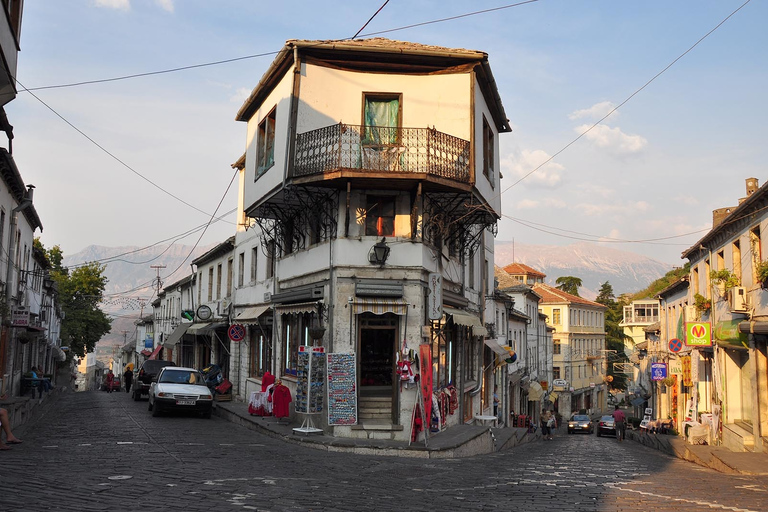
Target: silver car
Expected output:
[180,389]
[580,423]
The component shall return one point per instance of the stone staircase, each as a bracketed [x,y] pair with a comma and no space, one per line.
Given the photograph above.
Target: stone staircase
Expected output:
[375,418]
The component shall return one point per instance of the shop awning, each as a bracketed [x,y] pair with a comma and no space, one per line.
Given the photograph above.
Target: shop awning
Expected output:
[293,309]
[466,319]
[535,392]
[250,315]
[154,353]
[205,327]
[146,352]
[176,335]
[498,348]
[378,306]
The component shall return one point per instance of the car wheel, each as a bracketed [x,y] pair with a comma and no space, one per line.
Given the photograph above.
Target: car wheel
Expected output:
[156,411]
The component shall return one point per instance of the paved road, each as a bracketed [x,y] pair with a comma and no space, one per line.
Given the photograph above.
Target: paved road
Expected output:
[98,451]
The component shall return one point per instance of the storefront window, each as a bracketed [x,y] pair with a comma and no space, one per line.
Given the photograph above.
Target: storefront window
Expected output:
[295,334]
[443,359]
[261,351]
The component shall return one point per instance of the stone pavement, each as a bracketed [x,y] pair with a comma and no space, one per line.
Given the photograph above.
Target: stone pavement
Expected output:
[458,441]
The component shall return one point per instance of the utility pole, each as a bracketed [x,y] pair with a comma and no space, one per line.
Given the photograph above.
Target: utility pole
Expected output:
[157,282]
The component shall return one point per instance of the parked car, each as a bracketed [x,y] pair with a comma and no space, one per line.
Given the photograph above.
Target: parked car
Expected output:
[580,423]
[606,426]
[149,370]
[180,389]
[115,383]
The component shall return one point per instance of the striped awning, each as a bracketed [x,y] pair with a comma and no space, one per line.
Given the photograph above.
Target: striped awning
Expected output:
[378,306]
[466,319]
[293,309]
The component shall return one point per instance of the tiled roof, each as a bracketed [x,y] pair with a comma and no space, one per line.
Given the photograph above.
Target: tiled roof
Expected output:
[385,44]
[551,294]
[505,280]
[521,268]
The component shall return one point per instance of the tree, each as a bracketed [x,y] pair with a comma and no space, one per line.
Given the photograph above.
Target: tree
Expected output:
[605,296]
[80,292]
[614,334]
[569,284]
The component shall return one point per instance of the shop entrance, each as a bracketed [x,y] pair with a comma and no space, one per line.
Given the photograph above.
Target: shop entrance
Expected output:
[377,348]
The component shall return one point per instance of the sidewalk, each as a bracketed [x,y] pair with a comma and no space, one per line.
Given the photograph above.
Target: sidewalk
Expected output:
[713,457]
[457,441]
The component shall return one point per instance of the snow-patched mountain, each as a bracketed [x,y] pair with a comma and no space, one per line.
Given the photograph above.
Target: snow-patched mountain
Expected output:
[129,269]
[594,264]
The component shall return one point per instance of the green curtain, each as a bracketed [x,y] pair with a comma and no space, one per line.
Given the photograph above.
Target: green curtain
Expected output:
[381,113]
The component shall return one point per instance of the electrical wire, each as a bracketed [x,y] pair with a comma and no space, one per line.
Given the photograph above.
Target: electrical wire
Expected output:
[266,54]
[112,155]
[370,19]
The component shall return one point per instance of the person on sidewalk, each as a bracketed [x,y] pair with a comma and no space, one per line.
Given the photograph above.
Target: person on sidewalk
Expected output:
[5,423]
[128,378]
[46,382]
[618,423]
[110,380]
[544,424]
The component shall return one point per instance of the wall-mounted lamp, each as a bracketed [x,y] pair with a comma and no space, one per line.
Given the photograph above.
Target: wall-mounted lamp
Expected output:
[379,253]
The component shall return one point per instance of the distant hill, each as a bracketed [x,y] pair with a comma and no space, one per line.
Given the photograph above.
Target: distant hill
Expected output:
[594,264]
[132,281]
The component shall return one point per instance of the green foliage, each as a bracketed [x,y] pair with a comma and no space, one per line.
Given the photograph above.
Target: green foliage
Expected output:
[658,285]
[761,271]
[80,292]
[569,284]
[605,296]
[702,303]
[724,277]
[614,334]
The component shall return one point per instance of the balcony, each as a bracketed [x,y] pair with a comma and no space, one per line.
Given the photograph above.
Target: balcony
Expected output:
[377,151]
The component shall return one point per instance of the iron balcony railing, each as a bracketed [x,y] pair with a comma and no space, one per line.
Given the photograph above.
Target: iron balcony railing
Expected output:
[382,149]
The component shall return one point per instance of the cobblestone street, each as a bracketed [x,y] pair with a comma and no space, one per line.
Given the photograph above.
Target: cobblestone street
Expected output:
[99,451]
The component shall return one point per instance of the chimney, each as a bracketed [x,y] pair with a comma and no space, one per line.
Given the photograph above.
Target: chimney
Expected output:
[719,215]
[752,186]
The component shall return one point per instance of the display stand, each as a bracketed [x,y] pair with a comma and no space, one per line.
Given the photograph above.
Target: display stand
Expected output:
[310,387]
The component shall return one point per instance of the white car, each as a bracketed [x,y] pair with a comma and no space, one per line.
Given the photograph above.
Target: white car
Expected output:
[180,389]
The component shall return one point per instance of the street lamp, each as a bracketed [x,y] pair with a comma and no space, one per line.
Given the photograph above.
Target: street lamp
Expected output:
[379,253]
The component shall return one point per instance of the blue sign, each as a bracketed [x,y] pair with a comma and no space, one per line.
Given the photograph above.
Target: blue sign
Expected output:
[149,343]
[658,371]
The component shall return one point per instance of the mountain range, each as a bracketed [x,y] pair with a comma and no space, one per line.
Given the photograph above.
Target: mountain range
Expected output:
[594,264]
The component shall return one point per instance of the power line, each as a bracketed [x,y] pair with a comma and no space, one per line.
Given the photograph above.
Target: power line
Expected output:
[370,19]
[266,54]
[646,84]
[112,155]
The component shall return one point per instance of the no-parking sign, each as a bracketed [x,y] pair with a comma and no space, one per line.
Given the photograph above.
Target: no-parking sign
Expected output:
[236,332]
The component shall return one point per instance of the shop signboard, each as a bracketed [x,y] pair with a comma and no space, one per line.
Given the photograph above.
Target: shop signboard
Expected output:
[435,297]
[342,389]
[658,371]
[675,367]
[559,384]
[20,316]
[698,334]
[149,343]
[686,363]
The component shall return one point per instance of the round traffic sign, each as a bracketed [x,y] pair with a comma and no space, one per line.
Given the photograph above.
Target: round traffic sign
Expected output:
[675,345]
[236,332]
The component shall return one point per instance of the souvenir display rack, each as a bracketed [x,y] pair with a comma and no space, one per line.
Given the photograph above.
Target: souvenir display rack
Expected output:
[310,387]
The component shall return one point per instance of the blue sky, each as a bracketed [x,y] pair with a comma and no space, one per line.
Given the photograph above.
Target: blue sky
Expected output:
[656,168]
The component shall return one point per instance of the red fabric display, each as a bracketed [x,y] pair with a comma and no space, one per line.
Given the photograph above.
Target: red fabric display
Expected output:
[281,398]
[267,380]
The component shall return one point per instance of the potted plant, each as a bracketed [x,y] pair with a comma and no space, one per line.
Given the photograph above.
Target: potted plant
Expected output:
[702,304]
[724,279]
[761,274]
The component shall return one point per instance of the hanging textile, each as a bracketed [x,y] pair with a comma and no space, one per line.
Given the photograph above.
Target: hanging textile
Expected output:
[381,121]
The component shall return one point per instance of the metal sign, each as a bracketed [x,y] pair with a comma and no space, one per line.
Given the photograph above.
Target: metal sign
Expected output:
[675,345]
[658,371]
[204,312]
[560,383]
[435,298]
[698,334]
[236,332]
[20,316]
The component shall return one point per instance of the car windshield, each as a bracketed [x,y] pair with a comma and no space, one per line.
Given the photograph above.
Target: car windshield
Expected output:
[181,377]
[580,417]
[606,418]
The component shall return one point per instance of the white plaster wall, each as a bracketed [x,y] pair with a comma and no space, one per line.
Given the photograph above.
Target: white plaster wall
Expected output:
[330,96]
[491,192]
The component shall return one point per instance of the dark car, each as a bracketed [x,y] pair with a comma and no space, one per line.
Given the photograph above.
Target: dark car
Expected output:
[580,423]
[149,370]
[606,426]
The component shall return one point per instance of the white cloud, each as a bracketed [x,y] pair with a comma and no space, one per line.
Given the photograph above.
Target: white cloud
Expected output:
[123,5]
[592,189]
[166,5]
[527,204]
[240,95]
[520,163]
[686,200]
[596,111]
[612,139]
[613,235]
[599,209]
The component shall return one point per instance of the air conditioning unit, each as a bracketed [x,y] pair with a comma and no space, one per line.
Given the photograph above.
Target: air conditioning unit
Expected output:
[691,314]
[737,299]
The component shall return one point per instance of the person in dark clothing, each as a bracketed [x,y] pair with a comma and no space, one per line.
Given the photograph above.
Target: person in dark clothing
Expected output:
[128,378]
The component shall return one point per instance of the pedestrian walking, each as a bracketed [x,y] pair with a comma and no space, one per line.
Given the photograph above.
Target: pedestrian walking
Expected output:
[551,424]
[618,423]
[544,424]
[110,380]
[128,377]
